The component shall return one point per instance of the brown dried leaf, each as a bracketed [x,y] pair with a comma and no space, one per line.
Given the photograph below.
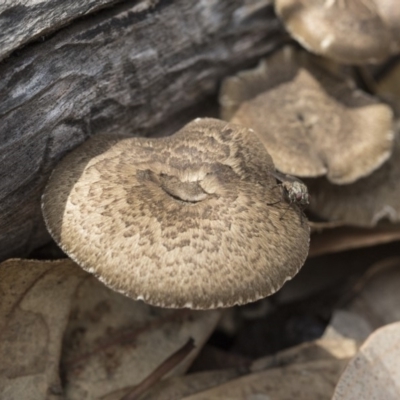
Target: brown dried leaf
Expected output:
[113,342]
[35,299]
[323,349]
[376,297]
[180,386]
[110,341]
[347,325]
[374,373]
[311,369]
[177,388]
[305,381]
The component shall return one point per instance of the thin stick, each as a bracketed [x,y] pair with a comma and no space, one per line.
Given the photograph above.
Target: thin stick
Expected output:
[166,366]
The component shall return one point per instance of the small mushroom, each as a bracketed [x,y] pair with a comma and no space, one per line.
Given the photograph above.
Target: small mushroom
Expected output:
[180,221]
[312,122]
[363,203]
[350,32]
[389,10]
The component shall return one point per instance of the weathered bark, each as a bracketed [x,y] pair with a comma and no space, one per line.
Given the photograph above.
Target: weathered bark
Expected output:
[23,21]
[118,70]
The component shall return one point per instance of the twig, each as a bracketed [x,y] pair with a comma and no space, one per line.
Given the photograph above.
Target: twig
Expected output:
[166,366]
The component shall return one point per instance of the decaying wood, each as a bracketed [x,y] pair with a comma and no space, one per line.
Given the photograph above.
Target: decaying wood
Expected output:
[128,69]
[22,21]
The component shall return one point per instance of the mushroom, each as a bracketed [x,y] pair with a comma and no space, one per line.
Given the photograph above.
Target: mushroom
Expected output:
[390,13]
[350,32]
[190,220]
[363,203]
[312,122]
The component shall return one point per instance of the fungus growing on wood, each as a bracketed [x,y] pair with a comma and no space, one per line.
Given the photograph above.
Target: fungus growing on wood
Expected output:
[350,32]
[180,221]
[312,122]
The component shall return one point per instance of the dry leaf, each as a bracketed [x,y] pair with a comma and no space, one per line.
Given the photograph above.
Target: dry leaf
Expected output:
[113,342]
[374,373]
[35,299]
[322,349]
[177,387]
[106,341]
[345,324]
[376,297]
[309,370]
[160,372]
[305,381]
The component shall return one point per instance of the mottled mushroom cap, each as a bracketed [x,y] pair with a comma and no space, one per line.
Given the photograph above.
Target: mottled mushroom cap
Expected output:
[181,221]
[347,31]
[363,203]
[312,122]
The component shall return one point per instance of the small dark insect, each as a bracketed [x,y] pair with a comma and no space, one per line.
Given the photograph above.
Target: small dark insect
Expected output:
[294,191]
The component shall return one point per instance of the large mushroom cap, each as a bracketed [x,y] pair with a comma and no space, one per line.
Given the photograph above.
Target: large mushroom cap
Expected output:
[312,122]
[182,221]
[350,32]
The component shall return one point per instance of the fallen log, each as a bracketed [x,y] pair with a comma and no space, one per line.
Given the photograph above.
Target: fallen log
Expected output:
[135,67]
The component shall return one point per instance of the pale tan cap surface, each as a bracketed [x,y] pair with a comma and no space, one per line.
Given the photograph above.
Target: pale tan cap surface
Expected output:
[389,10]
[363,203]
[312,122]
[347,31]
[181,221]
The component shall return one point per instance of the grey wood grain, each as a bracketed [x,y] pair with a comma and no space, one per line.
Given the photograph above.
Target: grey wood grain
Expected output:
[22,21]
[120,70]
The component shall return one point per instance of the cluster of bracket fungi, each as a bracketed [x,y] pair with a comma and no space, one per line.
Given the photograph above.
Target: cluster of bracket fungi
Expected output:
[195,220]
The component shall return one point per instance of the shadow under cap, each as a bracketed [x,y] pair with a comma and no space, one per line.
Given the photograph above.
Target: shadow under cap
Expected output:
[181,221]
[311,121]
[349,32]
